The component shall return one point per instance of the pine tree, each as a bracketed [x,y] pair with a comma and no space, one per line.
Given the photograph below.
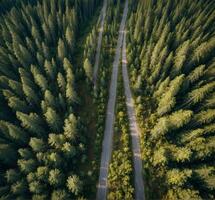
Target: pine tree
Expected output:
[42,173]
[12,176]
[16,87]
[70,127]
[56,140]
[49,99]
[205,117]
[69,150]
[62,51]
[30,94]
[39,78]
[37,94]
[27,166]
[31,122]
[17,133]
[61,83]
[19,188]
[53,119]
[180,58]
[74,184]
[70,93]
[25,153]
[70,38]
[18,105]
[168,99]
[56,178]
[176,142]
[35,33]
[197,95]
[88,69]
[36,187]
[38,145]
[49,68]
[60,194]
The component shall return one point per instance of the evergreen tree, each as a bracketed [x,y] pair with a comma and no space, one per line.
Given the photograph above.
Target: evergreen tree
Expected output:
[70,127]
[62,51]
[88,69]
[60,194]
[175,95]
[53,119]
[74,184]
[70,38]
[56,178]
[38,145]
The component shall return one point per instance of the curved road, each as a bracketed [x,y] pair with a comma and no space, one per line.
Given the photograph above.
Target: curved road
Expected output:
[108,134]
[137,161]
[98,49]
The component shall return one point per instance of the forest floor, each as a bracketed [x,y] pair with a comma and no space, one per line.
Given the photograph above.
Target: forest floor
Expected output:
[108,133]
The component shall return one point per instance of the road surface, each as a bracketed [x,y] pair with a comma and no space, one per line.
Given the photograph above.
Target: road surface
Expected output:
[108,133]
[135,134]
[98,49]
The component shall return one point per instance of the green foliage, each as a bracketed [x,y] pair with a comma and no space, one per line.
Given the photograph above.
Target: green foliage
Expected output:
[19,187]
[12,176]
[171,59]
[59,194]
[56,178]
[70,127]
[120,177]
[119,181]
[38,145]
[88,69]
[41,138]
[167,101]
[53,119]
[74,184]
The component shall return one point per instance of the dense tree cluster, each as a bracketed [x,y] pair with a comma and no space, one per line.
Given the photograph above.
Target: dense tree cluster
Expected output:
[120,177]
[6,5]
[90,53]
[41,140]
[44,146]
[173,80]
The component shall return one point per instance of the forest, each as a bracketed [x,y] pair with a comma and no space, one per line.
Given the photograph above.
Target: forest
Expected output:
[173,82]
[107,99]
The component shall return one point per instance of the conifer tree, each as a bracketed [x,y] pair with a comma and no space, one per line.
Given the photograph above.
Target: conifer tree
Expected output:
[88,69]
[62,52]
[175,104]
[53,119]
[74,184]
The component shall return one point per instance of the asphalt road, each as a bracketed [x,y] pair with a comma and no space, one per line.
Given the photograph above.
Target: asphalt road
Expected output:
[108,134]
[135,134]
[98,49]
